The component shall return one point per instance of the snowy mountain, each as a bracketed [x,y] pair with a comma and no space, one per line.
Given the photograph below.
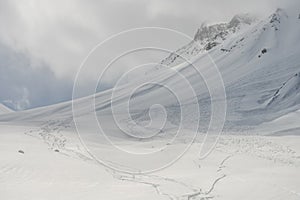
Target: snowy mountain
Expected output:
[208,37]
[255,59]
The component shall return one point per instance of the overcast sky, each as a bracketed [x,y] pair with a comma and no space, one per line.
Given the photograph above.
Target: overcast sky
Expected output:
[42,43]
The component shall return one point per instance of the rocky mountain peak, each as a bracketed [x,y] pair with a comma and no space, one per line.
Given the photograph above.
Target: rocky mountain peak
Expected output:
[208,37]
[278,15]
[208,32]
[241,19]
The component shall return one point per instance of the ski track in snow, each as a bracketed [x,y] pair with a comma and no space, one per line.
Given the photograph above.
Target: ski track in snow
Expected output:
[51,133]
[261,147]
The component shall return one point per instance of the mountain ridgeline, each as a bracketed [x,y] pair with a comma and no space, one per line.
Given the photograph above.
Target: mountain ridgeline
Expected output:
[208,37]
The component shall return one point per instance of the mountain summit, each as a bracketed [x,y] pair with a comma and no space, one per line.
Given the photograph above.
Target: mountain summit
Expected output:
[208,37]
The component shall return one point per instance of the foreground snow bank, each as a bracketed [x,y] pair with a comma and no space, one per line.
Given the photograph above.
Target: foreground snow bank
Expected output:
[255,167]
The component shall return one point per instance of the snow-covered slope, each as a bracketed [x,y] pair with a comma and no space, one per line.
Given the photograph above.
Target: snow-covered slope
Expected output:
[288,95]
[285,125]
[4,109]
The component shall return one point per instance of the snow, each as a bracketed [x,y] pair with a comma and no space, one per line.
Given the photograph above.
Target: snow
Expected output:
[285,125]
[235,169]
[208,37]
[4,109]
[66,155]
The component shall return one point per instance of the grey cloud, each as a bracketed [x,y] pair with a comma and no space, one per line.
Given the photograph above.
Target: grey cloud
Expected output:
[63,32]
[24,86]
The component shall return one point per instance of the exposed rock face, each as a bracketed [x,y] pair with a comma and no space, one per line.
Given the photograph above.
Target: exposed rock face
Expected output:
[21,152]
[220,31]
[210,32]
[288,94]
[276,18]
[241,19]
